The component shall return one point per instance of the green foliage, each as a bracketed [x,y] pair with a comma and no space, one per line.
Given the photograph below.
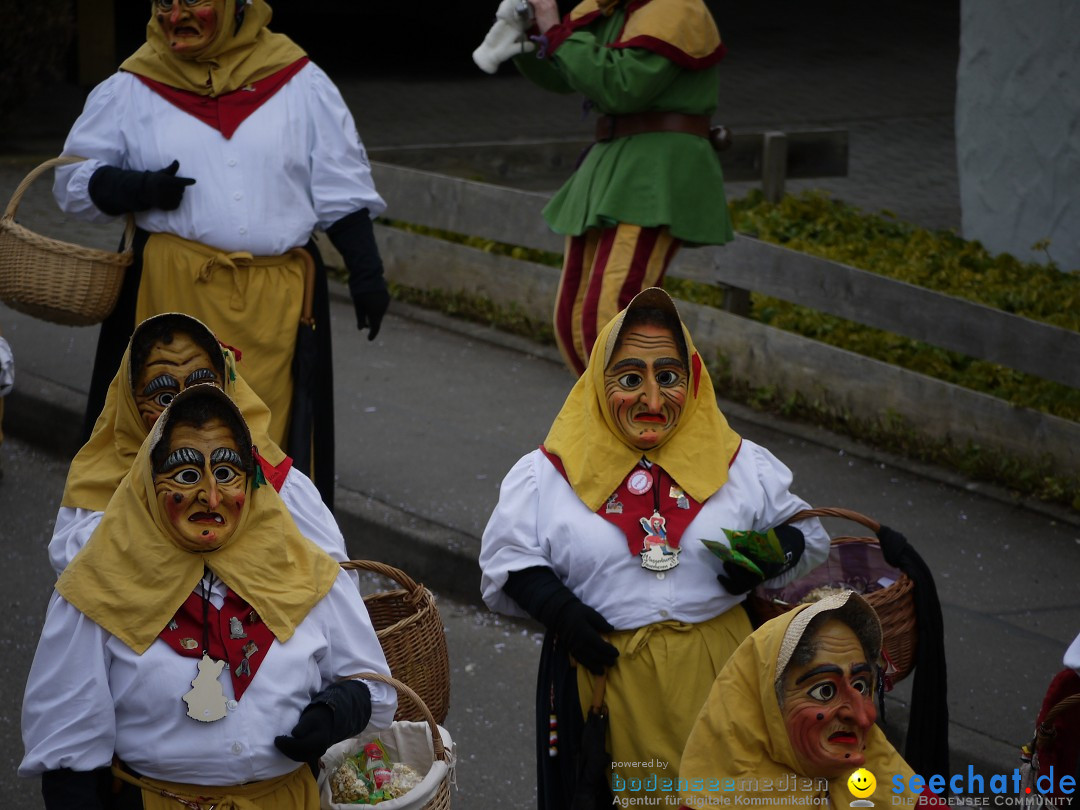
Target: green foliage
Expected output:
[477,310]
[938,260]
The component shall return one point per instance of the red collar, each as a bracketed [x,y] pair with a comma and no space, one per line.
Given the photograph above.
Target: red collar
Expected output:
[631,509]
[236,634]
[226,113]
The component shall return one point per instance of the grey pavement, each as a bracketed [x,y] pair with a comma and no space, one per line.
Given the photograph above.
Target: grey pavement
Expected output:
[432,414]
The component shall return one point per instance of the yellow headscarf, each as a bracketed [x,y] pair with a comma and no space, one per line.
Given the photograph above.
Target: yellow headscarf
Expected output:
[234,59]
[595,456]
[740,737]
[106,457]
[131,577]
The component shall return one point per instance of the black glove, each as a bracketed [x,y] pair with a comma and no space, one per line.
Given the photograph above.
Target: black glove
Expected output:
[65,789]
[354,237]
[576,626]
[120,191]
[751,568]
[340,711]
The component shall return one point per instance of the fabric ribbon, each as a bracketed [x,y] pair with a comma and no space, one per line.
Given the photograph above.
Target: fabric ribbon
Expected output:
[231,262]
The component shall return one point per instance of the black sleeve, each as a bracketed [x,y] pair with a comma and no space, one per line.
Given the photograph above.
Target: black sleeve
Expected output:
[65,789]
[354,237]
[540,593]
[350,701]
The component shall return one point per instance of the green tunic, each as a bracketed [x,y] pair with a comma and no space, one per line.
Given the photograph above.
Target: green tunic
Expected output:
[653,179]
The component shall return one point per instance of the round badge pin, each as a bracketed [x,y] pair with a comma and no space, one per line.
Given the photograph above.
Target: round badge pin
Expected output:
[639,482]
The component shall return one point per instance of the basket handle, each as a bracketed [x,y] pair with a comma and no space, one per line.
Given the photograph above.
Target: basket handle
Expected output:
[1046,732]
[35,173]
[383,569]
[833,511]
[436,737]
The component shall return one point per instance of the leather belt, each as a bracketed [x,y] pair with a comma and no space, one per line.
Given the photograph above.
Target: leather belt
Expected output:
[610,127]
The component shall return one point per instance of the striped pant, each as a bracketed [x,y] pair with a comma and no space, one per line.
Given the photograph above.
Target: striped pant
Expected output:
[603,269]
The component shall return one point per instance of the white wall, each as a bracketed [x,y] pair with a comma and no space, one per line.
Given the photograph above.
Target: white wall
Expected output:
[1018,126]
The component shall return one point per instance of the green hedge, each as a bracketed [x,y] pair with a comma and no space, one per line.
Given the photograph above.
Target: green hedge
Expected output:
[814,223]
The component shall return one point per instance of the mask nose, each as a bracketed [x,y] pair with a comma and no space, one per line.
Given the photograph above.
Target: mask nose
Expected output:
[651,395]
[858,709]
[211,494]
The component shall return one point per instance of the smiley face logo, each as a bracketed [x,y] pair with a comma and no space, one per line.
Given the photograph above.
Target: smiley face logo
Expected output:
[861,783]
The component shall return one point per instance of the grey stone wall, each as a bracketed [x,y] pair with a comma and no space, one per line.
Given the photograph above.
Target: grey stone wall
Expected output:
[1018,126]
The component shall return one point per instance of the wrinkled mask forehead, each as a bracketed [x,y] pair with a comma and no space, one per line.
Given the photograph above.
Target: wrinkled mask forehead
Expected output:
[652,298]
[155,328]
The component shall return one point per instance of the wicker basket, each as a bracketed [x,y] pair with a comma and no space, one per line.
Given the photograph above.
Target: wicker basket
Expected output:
[409,627]
[859,563]
[53,280]
[440,800]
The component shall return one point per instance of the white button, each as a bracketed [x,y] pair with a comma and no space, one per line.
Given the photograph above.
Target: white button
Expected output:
[237,195]
[660,575]
[664,614]
[243,230]
[232,161]
[232,707]
[237,748]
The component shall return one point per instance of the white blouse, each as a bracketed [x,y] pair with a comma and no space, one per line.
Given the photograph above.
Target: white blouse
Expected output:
[295,164]
[88,695]
[540,521]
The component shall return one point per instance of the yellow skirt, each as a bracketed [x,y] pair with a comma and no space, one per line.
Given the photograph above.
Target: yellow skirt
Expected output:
[252,303]
[654,693]
[293,791]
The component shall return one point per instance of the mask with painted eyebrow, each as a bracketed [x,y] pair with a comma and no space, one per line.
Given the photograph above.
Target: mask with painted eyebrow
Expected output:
[226,455]
[200,375]
[645,386]
[180,457]
[163,382]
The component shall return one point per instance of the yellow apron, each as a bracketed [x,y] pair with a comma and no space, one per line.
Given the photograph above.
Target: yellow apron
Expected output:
[654,693]
[293,791]
[252,303]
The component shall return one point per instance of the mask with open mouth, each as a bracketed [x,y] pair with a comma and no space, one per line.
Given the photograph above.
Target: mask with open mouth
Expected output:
[201,485]
[828,704]
[189,26]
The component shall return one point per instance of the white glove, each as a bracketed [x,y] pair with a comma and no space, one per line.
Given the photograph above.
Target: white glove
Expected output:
[502,42]
[508,13]
[7,368]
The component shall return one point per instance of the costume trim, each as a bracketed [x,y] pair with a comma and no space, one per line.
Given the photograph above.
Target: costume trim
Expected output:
[236,634]
[227,112]
[672,30]
[275,476]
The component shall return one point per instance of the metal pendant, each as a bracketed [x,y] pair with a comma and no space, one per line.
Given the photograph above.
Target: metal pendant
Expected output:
[206,700]
[236,628]
[656,554]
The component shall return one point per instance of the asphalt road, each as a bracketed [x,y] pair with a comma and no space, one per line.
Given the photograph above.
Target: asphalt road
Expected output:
[492,659]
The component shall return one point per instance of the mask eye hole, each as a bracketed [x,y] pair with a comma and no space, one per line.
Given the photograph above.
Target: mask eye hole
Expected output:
[631,380]
[823,692]
[225,474]
[667,378]
[188,476]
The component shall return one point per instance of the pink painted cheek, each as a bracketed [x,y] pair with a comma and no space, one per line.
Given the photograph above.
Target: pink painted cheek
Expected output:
[207,16]
[175,506]
[240,500]
[806,731]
